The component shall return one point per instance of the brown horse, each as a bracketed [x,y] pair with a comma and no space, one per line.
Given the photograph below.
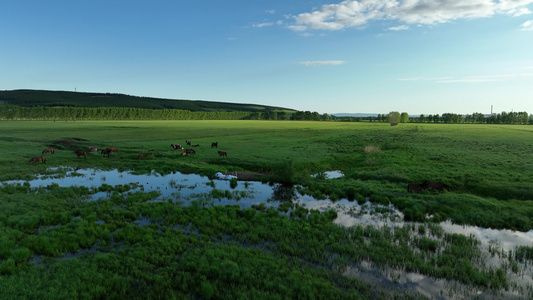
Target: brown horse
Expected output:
[197,145]
[436,186]
[190,151]
[80,153]
[38,159]
[214,145]
[49,150]
[142,156]
[176,147]
[112,149]
[222,154]
[415,187]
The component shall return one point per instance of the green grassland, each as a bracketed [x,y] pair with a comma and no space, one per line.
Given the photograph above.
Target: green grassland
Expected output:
[488,167]
[55,245]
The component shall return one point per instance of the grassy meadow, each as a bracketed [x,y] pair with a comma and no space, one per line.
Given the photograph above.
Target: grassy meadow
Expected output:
[55,245]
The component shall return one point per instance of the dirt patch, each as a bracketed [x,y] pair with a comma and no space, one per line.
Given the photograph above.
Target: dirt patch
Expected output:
[69,143]
[80,139]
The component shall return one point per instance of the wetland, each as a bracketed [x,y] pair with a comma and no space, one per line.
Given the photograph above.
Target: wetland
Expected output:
[334,222]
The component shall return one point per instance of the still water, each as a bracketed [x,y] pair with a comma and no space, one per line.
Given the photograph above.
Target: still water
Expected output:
[185,188]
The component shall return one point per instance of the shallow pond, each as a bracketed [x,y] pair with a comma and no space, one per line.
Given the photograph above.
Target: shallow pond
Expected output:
[185,188]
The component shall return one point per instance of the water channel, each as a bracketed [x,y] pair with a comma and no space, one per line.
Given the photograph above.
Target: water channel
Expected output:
[185,188]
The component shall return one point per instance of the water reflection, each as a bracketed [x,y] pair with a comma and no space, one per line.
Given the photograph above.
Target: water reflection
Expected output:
[283,192]
[328,174]
[186,188]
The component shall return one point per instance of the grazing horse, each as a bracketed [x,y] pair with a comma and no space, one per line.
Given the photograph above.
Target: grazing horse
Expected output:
[112,149]
[49,150]
[222,154]
[214,145]
[176,147]
[80,153]
[106,152]
[38,159]
[437,186]
[190,151]
[197,145]
[415,187]
[188,142]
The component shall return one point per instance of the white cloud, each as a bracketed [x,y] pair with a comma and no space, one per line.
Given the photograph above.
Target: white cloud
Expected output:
[352,13]
[397,28]
[270,11]
[527,25]
[266,24]
[322,63]
[519,12]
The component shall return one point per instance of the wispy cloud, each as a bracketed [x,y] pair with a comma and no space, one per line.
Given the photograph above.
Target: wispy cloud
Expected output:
[469,79]
[519,12]
[527,25]
[398,28]
[352,13]
[322,63]
[266,24]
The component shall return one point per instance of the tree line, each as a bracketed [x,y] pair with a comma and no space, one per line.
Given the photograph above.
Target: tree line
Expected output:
[113,113]
[12,112]
[518,118]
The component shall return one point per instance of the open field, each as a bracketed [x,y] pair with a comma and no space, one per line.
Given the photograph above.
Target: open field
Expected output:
[55,245]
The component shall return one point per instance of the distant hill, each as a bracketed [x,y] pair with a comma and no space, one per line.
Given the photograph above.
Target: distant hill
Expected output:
[356,115]
[31,98]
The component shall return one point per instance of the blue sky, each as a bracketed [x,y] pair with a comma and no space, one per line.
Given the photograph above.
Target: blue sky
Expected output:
[367,56]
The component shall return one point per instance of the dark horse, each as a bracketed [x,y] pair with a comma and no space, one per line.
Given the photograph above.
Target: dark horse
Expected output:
[214,145]
[106,152]
[80,153]
[436,186]
[38,159]
[222,154]
[190,151]
[49,150]
[188,142]
[415,187]
[176,147]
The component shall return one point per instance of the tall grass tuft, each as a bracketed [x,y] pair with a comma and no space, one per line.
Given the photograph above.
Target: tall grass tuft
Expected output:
[371,149]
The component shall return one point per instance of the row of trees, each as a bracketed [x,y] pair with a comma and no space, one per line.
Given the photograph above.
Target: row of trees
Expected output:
[519,118]
[113,113]
[128,113]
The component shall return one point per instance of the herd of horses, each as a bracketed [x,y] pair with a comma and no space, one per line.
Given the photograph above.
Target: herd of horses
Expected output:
[427,185]
[107,151]
[187,152]
[411,187]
